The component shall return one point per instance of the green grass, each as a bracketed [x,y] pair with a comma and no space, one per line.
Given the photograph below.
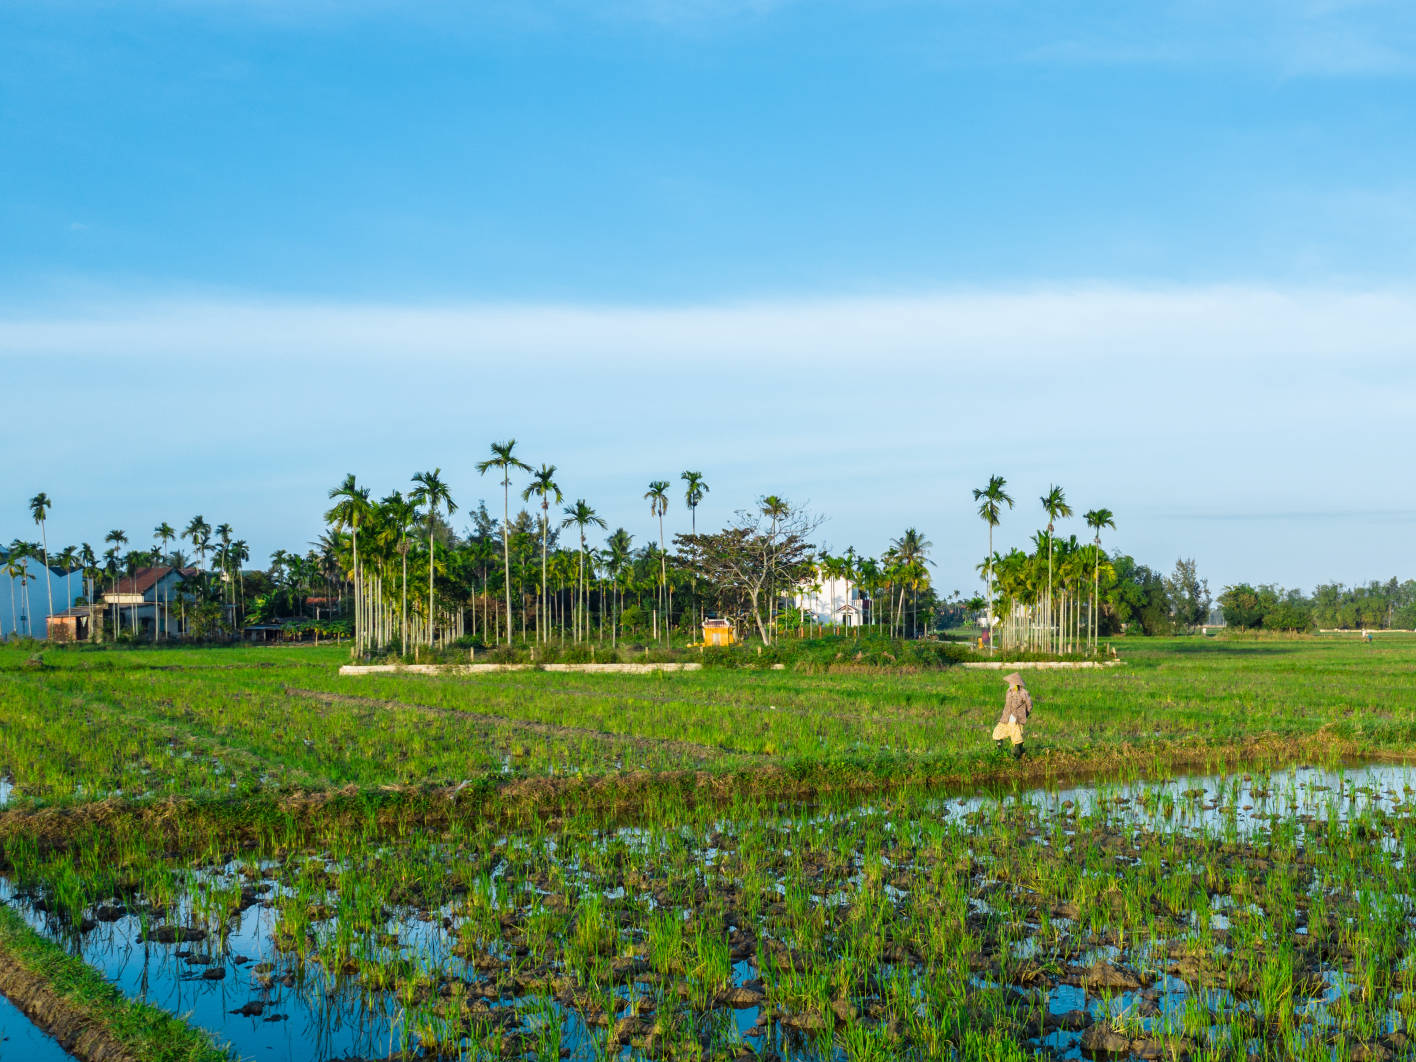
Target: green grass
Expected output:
[632,836]
[209,723]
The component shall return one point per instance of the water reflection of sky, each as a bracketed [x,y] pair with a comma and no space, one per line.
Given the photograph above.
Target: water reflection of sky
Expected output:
[315,1019]
[20,1041]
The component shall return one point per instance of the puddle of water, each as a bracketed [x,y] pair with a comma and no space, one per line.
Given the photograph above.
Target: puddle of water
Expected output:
[22,1041]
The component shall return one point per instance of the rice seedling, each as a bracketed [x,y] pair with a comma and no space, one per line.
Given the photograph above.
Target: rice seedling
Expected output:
[1264,912]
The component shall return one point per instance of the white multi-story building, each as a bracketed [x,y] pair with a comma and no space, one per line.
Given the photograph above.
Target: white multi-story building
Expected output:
[832,601]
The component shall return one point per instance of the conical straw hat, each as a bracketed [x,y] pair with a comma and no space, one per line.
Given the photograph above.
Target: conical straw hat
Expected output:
[1014,679]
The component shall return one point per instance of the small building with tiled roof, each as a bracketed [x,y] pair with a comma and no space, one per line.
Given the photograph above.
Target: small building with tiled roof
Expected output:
[142,602]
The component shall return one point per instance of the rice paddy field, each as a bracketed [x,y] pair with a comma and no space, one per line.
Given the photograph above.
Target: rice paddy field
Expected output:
[1203,855]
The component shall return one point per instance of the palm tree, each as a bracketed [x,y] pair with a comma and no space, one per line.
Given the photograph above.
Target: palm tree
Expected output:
[617,558]
[693,494]
[400,513]
[911,551]
[199,532]
[992,498]
[1097,519]
[117,539]
[658,498]
[89,562]
[503,459]
[162,534]
[432,492]
[582,516]
[776,508]
[15,569]
[350,511]
[543,485]
[1054,503]
[39,507]
[239,552]
[224,532]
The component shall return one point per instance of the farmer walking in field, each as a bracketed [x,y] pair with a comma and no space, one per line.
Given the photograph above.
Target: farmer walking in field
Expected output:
[1017,706]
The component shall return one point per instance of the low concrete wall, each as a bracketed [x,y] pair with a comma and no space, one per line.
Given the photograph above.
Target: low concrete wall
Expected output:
[1052,665]
[487,669]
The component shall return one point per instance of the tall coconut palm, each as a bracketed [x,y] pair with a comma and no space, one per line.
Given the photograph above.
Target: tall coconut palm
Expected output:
[543,486]
[350,510]
[432,492]
[658,498]
[582,516]
[1097,519]
[991,500]
[1054,503]
[39,507]
[503,459]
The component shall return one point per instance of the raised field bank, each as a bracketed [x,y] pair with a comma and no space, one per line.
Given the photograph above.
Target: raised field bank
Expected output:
[1202,855]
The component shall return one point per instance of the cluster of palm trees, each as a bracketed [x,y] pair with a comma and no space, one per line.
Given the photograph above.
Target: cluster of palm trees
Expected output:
[228,554]
[1043,604]
[380,546]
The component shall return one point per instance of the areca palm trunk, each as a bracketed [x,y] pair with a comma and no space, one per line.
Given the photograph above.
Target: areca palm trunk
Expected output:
[988,607]
[48,588]
[541,634]
[1096,592]
[579,591]
[431,514]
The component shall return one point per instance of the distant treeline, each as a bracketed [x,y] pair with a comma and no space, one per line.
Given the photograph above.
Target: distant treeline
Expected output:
[1376,606]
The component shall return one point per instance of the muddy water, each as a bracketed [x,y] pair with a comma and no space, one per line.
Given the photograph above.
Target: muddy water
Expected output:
[247,994]
[20,1041]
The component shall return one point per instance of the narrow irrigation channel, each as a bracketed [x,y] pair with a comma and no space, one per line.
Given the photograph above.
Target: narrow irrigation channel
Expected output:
[1264,914]
[22,1041]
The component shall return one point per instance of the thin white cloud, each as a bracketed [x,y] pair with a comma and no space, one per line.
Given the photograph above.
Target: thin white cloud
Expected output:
[1202,325]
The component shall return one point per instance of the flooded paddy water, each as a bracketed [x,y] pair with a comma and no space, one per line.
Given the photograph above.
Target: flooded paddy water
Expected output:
[1266,915]
[21,1041]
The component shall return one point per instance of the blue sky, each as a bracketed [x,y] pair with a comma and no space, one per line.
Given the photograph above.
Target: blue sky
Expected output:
[1163,254]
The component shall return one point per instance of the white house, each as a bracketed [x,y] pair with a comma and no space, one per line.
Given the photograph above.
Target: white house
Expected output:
[24,600]
[832,601]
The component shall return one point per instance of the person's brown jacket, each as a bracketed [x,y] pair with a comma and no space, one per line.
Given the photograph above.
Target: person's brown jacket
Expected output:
[1018,705]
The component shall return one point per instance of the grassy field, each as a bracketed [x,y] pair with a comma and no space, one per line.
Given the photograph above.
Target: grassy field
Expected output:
[726,862]
[207,723]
